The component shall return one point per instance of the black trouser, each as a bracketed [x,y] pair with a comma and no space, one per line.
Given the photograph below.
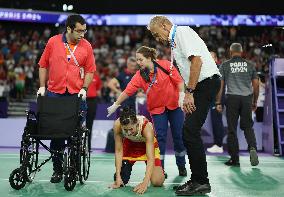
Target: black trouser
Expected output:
[57,145]
[91,114]
[239,106]
[259,114]
[217,126]
[205,92]
[125,172]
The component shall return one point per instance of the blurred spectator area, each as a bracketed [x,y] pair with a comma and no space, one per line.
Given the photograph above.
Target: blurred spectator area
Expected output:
[21,45]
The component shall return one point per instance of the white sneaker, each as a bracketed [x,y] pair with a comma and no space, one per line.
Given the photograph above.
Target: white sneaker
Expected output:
[215,149]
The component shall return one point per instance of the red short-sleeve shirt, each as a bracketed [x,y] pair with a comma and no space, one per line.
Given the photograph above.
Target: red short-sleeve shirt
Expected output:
[64,74]
[163,94]
[94,86]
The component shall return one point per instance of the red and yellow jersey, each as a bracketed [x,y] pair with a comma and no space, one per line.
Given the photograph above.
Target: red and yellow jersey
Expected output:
[134,147]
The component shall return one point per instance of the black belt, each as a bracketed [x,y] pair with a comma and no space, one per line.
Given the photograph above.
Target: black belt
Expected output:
[215,76]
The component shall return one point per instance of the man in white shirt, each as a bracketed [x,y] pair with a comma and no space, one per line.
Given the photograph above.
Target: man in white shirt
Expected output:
[201,76]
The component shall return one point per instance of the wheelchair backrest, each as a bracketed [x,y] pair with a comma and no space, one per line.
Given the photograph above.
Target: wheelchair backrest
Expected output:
[58,117]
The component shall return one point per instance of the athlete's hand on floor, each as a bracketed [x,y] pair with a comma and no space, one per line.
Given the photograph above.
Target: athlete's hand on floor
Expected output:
[141,188]
[117,184]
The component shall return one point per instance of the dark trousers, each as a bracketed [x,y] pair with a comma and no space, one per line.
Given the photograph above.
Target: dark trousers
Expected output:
[239,106]
[204,94]
[59,144]
[259,114]
[91,114]
[217,126]
[176,118]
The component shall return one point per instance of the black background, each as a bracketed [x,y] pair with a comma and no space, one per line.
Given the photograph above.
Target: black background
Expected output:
[153,6]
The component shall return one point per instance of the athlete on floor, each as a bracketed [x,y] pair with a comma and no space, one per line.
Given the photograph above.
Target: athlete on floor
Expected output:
[135,141]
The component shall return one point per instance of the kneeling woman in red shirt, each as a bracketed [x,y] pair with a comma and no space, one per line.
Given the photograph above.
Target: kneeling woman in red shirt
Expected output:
[135,141]
[164,89]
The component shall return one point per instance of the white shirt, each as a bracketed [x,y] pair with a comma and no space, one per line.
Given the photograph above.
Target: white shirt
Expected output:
[261,97]
[187,43]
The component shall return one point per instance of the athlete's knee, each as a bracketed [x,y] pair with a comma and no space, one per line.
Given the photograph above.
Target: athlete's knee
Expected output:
[157,181]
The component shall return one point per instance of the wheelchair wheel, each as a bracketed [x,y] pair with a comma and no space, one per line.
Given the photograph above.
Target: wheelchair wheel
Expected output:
[69,181]
[69,169]
[17,178]
[28,159]
[84,157]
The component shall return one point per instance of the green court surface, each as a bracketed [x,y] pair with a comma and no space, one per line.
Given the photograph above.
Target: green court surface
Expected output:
[267,179]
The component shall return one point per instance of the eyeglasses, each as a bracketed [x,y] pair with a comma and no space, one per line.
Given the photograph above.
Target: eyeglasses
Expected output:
[80,31]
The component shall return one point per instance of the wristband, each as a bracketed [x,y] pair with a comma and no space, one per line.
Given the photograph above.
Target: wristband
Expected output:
[189,90]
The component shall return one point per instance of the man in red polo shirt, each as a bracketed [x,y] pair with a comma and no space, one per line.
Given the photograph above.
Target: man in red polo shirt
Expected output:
[67,65]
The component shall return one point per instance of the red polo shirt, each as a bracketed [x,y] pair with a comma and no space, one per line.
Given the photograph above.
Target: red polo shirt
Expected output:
[163,94]
[94,86]
[62,73]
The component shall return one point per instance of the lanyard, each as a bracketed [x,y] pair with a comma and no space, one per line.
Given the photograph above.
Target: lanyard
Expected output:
[172,48]
[153,80]
[75,60]
[72,53]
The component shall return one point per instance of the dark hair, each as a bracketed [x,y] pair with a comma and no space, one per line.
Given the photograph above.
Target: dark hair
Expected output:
[127,115]
[147,52]
[73,19]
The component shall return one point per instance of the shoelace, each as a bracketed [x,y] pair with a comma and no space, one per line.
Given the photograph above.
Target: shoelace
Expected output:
[185,184]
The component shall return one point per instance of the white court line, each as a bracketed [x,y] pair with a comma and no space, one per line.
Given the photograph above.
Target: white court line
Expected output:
[209,157]
[208,161]
[107,182]
[104,158]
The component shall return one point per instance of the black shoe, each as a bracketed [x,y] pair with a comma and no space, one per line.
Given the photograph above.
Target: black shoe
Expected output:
[232,162]
[182,171]
[179,187]
[192,188]
[56,177]
[253,157]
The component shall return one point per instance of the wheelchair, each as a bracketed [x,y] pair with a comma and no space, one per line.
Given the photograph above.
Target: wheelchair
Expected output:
[56,118]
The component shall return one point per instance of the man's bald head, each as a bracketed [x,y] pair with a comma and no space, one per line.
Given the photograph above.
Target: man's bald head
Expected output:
[236,49]
[158,21]
[160,27]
